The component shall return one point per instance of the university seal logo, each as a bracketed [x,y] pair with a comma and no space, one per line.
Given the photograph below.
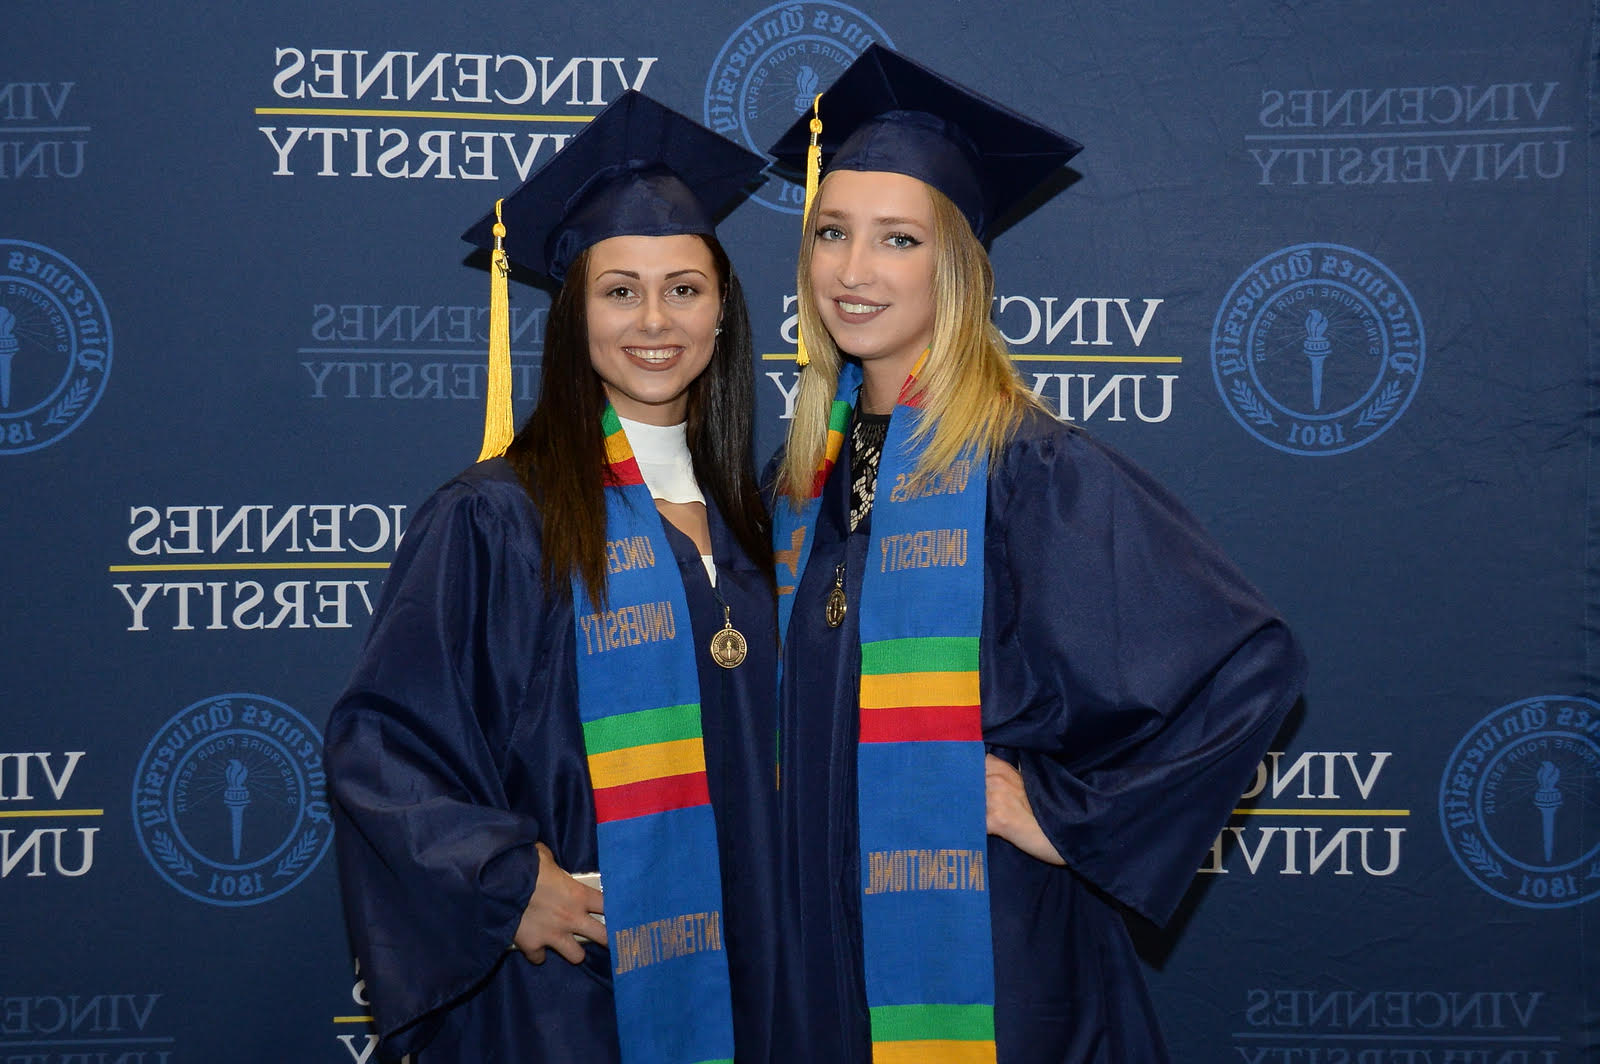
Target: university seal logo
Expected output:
[230,802]
[55,346]
[1317,349]
[1519,798]
[769,71]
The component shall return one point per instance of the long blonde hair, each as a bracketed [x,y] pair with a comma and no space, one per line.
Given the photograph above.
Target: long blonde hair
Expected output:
[969,394]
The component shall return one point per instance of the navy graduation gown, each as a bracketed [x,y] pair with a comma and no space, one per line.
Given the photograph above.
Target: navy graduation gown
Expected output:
[1131,674]
[457,746]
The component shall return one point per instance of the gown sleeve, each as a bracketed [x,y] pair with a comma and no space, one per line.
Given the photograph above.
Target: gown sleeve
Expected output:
[1136,678]
[436,866]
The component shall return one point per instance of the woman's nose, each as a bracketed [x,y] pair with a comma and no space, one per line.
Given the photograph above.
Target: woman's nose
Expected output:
[855,266]
[653,312]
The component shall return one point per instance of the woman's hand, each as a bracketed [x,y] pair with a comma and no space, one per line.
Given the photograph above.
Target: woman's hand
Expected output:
[558,911]
[1010,816]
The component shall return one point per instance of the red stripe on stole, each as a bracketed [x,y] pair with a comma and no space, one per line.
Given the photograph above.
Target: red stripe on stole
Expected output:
[910,724]
[820,480]
[624,473]
[651,796]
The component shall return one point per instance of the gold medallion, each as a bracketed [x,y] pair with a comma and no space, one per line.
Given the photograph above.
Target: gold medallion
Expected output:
[728,648]
[833,612]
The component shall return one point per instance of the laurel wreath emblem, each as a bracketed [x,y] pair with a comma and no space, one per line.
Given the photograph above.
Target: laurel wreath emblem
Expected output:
[70,403]
[1253,408]
[1481,859]
[1381,407]
[296,858]
[171,856]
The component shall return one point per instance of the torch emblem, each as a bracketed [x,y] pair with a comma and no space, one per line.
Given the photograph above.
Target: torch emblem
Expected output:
[230,800]
[1519,802]
[1548,799]
[55,346]
[1317,349]
[236,796]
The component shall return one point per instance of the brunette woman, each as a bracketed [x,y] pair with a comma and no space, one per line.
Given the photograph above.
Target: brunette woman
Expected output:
[571,668]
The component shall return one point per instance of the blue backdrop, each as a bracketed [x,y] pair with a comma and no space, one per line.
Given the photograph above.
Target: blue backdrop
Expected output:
[1327,269]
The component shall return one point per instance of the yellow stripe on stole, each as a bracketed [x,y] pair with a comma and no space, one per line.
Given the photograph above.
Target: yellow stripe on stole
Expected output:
[889,690]
[635,764]
[617,448]
[933,1052]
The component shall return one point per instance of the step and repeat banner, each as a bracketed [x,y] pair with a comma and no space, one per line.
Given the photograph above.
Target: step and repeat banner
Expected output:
[1327,269]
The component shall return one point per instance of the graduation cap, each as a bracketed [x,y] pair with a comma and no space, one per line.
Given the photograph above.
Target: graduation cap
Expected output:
[887,112]
[637,169]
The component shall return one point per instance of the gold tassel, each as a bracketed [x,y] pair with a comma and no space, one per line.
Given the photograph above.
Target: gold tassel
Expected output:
[497,423]
[802,358]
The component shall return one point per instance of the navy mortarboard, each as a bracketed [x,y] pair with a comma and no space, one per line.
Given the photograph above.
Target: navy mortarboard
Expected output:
[637,169]
[889,113]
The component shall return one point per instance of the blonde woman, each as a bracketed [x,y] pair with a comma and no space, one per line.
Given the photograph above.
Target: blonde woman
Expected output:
[1020,688]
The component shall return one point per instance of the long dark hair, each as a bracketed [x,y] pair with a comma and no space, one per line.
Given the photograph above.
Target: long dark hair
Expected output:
[559,454]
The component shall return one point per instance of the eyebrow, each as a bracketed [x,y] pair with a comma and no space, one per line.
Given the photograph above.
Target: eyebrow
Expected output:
[635,273]
[889,219]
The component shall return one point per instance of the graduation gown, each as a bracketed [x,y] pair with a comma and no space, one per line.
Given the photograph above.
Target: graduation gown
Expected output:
[1131,674]
[457,746]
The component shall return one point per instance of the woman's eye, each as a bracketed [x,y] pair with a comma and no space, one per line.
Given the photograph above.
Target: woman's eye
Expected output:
[684,291]
[830,232]
[902,240]
[619,292]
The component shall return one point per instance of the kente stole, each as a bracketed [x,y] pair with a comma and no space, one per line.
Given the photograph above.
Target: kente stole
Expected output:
[921,802]
[639,700]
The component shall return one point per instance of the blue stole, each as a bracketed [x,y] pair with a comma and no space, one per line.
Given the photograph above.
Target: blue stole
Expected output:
[921,805]
[639,701]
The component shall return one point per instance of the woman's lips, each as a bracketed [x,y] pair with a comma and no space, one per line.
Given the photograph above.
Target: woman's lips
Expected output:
[855,313]
[653,356]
